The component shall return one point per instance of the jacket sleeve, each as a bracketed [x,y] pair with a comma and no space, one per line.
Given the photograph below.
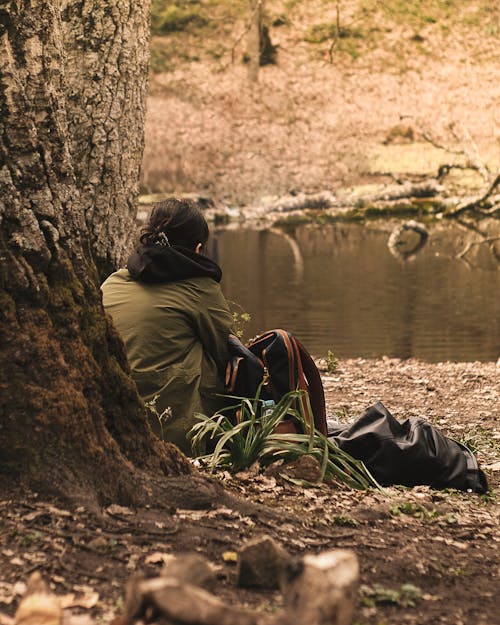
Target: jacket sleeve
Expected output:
[213,325]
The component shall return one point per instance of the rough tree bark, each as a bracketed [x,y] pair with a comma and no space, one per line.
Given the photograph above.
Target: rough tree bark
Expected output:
[71,422]
[105,61]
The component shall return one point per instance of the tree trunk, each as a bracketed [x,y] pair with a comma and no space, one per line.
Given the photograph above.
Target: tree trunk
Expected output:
[106,53]
[253,39]
[71,422]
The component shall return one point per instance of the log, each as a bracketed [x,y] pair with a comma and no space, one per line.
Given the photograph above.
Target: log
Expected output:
[324,592]
[180,602]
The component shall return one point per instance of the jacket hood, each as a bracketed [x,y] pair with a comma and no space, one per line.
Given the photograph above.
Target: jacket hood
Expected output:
[155,263]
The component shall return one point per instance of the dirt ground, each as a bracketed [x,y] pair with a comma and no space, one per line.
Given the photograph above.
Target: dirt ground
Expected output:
[426,556]
[314,121]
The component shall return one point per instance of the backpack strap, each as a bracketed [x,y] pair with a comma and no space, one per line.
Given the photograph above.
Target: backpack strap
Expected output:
[314,387]
[303,369]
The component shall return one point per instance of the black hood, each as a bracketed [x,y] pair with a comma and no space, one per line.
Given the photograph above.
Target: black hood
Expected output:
[155,263]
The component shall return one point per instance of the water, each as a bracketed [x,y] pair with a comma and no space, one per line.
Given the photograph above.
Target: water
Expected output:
[338,287]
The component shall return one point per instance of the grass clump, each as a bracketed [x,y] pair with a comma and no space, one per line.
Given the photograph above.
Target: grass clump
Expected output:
[419,13]
[254,439]
[319,33]
[415,510]
[348,38]
[171,17]
[332,362]
[406,596]
[159,60]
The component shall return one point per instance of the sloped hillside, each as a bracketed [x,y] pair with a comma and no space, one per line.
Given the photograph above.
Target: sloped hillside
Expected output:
[354,89]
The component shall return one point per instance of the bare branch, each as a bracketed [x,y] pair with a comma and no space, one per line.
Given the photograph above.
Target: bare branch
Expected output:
[337,33]
[441,146]
[475,203]
[473,160]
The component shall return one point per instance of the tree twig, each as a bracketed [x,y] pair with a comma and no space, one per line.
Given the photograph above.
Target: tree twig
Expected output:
[475,203]
[337,33]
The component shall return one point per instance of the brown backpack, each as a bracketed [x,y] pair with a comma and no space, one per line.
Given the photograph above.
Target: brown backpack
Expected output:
[280,363]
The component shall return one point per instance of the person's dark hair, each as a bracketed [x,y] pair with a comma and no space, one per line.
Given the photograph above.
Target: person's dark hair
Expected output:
[176,222]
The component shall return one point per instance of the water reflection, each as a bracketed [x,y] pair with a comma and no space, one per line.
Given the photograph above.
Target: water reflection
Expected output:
[338,287]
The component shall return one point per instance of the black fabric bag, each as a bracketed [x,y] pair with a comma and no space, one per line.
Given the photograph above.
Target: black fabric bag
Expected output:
[409,453]
[278,361]
[244,371]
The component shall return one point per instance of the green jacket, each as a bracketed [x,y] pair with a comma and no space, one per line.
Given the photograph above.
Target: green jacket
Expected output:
[175,335]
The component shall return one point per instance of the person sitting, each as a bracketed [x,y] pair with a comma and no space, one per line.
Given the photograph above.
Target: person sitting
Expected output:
[169,309]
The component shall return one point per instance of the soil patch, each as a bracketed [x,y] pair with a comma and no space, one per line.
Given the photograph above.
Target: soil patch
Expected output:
[444,544]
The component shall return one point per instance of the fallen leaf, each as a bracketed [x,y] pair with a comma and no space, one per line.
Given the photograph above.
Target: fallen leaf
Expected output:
[86,601]
[67,600]
[19,588]
[222,512]
[7,593]
[116,509]
[230,556]
[493,467]
[58,511]
[159,558]
[83,588]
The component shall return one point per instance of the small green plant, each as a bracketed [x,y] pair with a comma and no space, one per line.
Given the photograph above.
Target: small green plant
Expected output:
[319,33]
[111,545]
[240,318]
[158,60]
[341,414]
[377,594]
[345,521]
[489,497]
[332,362]
[173,18]
[254,439]
[481,440]
[30,539]
[416,510]
[162,417]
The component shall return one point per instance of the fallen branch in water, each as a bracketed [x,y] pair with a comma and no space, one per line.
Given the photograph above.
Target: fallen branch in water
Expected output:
[326,199]
[396,242]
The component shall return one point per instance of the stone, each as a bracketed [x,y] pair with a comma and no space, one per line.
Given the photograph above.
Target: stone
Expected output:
[38,606]
[305,468]
[191,568]
[178,602]
[99,543]
[400,133]
[262,563]
[323,591]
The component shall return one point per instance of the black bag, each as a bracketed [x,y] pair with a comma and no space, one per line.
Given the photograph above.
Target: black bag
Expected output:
[278,361]
[410,452]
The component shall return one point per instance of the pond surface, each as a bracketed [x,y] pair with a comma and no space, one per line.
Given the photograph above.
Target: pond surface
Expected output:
[338,287]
